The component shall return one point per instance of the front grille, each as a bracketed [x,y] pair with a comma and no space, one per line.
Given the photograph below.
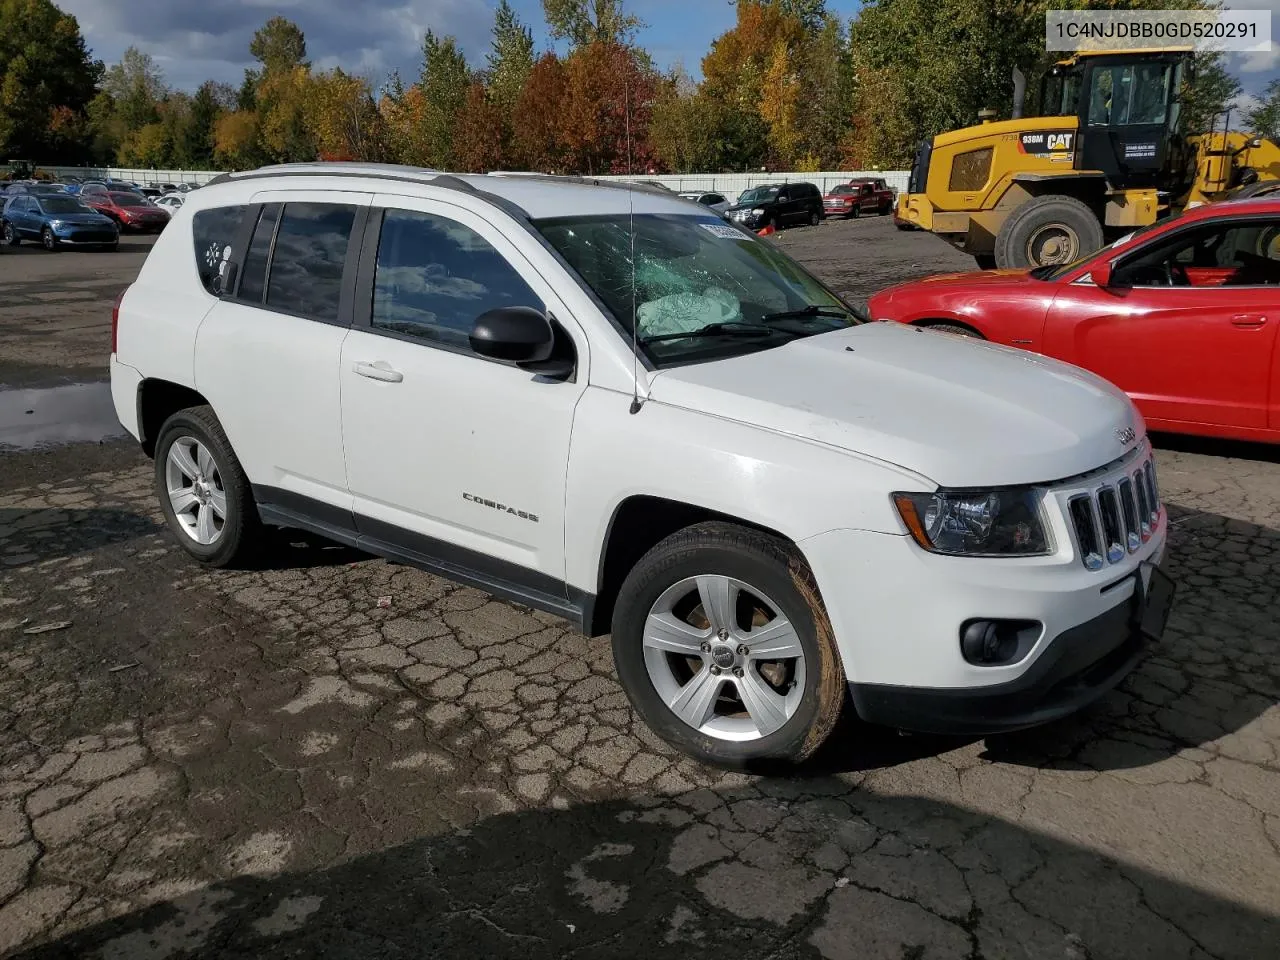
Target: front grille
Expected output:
[1116,517]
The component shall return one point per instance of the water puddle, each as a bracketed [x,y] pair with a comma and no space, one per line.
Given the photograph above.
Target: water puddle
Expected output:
[77,413]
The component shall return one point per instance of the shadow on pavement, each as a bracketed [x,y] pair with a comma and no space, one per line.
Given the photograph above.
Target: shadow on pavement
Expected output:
[1212,447]
[48,533]
[784,869]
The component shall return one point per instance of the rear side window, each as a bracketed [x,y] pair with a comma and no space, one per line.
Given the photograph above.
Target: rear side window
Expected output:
[253,281]
[308,257]
[212,233]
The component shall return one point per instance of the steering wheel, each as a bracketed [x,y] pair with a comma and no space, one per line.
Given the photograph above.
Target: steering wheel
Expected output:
[1175,274]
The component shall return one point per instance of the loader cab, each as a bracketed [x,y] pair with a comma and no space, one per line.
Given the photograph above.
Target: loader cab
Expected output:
[1128,109]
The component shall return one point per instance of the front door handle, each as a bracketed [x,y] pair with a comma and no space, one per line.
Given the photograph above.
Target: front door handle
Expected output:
[378,370]
[1248,320]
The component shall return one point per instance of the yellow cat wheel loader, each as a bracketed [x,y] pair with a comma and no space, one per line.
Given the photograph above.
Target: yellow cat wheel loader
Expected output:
[1108,155]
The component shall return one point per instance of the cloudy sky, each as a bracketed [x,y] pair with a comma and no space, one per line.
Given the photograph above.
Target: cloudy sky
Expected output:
[195,40]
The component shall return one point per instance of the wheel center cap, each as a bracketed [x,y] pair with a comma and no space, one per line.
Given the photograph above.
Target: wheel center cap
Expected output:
[723,657]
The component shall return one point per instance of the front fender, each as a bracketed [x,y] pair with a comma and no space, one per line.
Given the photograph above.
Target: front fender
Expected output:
[798,488]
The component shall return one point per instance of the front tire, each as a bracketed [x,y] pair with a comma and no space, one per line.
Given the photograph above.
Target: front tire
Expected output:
[204,494]
[48,240]
[955,329]
[1048,230]
[815,218]
[724,648]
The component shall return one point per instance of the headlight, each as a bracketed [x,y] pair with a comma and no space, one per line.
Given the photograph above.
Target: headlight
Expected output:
[995,523]
[56,224]
[757,212]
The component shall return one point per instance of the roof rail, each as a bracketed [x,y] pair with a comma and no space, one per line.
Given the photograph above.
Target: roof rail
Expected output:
[589,181]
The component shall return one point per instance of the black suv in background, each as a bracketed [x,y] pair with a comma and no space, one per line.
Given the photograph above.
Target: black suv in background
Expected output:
[777,205]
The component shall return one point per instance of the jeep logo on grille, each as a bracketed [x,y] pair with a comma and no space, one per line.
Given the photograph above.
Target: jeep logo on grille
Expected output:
[1126,435]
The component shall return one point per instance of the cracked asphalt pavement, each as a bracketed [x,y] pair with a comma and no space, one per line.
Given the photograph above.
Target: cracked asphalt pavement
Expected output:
[335,755]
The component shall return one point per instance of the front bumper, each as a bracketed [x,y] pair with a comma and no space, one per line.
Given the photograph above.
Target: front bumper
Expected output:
[897,613]
[87,237]
[1077,667]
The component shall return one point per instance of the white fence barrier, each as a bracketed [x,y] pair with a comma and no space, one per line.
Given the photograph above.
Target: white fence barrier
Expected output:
[132,174]
[730,184]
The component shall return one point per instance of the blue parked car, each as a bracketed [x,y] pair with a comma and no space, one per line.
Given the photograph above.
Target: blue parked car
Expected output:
[56,220]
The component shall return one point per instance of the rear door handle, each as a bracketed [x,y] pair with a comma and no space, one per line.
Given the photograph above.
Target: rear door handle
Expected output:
[1248,320]
[378,370]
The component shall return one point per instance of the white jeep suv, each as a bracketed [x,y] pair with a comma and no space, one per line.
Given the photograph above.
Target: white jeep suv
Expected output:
[606,402]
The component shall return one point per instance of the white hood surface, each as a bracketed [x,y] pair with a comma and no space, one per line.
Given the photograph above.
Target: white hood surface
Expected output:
[962,412]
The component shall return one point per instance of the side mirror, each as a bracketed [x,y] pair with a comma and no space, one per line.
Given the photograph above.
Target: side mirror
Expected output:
[1254,144]
[784,198]
[514,334]
[1101,274]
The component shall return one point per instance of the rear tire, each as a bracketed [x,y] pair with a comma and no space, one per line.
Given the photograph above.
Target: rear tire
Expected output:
[1048,230]
[754,712]
[194,481]
[11,237]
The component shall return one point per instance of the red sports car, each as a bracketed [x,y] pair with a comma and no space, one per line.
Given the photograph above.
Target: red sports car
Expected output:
[1182,315]
[132,211]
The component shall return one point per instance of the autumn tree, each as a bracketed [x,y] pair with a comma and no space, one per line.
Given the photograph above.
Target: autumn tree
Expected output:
[445,80]
[279,45]
[683,128]
[752,86]
[47,79]
[536,122]
[340,113]
[1264,119]
[510,58]
[583,22]
[235,140]
[280,91]
[478,142]
[609,98]
[210,101]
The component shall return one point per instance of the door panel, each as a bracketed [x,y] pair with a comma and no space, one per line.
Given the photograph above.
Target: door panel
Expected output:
[443,444]
[1178,351]
[270,369]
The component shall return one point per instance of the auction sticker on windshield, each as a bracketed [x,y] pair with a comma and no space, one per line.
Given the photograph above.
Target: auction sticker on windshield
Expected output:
[724,231]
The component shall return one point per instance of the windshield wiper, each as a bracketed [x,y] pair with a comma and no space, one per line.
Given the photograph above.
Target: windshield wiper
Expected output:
[813,310]
[731,328]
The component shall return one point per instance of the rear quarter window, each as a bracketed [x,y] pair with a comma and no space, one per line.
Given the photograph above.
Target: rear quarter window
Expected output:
[212,233]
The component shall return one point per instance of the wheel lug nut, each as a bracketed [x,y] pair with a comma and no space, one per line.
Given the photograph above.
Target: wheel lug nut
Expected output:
[715,671]
[742,650]
[706,647]
[737,672]
[723,634]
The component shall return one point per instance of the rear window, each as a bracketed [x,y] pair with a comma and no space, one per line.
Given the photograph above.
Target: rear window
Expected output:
[212,233]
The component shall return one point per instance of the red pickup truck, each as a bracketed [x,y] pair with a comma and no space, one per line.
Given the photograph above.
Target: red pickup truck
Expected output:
[864,195]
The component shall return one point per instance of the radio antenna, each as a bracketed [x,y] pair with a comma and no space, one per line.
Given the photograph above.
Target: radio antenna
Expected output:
[636,403]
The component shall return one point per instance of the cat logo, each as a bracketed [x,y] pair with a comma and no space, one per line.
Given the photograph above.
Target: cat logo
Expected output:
[1059,141]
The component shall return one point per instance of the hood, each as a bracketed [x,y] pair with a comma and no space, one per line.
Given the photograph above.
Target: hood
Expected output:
[752,206]
[87,216]
[840,196]
[964,413]
[975,278]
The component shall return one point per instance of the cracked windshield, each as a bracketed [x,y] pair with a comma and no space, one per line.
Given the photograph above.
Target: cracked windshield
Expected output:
[702,288]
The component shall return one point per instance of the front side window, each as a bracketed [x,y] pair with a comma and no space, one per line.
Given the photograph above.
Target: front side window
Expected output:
[1222,254]
[1129,94]
[212,233]
[701,288]
[434,277]
[308,258]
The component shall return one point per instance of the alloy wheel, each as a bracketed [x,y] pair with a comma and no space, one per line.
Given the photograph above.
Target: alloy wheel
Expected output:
[724,658]
[196,493]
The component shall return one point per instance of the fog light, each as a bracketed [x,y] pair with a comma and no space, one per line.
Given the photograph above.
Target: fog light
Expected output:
[994,643]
